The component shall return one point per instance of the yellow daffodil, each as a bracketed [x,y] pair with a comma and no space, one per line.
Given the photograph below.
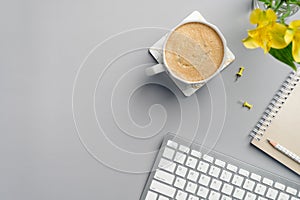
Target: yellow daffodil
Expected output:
[262,18]
[268,33]
[293,35]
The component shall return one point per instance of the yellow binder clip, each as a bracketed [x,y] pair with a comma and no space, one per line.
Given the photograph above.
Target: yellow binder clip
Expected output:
[247,105]
[240,73]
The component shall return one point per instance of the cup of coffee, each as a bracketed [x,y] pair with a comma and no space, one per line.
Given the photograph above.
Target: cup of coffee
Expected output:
[193,53]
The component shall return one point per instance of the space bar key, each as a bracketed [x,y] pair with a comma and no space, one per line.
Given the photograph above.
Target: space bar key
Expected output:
[162,188]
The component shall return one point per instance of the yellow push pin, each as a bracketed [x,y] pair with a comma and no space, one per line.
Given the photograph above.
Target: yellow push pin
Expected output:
[240,73]
[247,105]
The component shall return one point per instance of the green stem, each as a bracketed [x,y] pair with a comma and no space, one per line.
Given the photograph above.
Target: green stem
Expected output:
[286,14]
[293,2]
[278,6]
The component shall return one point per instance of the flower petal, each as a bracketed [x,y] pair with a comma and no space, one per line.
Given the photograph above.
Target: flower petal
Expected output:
[262,37]
[255,16]
[271,15]
[262,17]
[289,35]
[250,43]
[296,47]
[260,33]
[277,33]
[295,24]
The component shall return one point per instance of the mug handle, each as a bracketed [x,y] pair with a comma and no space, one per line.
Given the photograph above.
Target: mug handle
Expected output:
[155,69]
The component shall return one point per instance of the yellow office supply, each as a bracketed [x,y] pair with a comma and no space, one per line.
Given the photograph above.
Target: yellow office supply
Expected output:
[240,73]
[247,105]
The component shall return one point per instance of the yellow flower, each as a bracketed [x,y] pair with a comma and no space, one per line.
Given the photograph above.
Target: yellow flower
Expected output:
[293,35]
[268,34]
[262,18]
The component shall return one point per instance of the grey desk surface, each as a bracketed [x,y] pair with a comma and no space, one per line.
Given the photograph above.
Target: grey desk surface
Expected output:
[53,49]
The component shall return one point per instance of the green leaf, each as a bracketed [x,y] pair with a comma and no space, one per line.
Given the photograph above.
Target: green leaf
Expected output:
[284,55]
[297,3]
[294,2]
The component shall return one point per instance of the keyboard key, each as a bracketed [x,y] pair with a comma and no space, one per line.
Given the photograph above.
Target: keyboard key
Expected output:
[214,171]
[232,168]
[180,158]
[192,197]
[215,184]
[195,153]
[224,197]
[162,188]
[191,162]
[164,177]
[227,189]
[238,193]
[272,193]
[168,153]
[220,163]
[250,196]
[261,198]
[167,165]
[279,186]
[191,187]
[243,172]
[283,196]
[179,182]
[182,175]
[255,177]
[208,158]
[267,181]
[204,180]
[291,191]
[214,195]
[294,198]
[237,180]
[202,192]
[151,196]
[249,185]
[172,144]
[192,175]
[181,171]
[184,149]
[181,195]
[260,189]
[162,198]
[226,176]
[203,166]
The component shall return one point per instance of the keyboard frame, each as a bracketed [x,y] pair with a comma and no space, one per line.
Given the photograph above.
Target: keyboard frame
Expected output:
[217,155]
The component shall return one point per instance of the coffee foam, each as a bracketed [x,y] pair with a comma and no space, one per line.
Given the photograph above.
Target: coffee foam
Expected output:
[194,51]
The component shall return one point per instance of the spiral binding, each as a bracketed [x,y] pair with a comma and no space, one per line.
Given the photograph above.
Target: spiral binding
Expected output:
[275,105]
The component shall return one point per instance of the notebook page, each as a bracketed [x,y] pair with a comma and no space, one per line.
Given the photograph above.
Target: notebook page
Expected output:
[284,129]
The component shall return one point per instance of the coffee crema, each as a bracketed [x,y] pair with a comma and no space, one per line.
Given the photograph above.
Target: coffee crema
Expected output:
[194,51]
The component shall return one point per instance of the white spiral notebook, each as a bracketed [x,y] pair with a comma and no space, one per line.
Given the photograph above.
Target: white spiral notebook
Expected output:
[280,122]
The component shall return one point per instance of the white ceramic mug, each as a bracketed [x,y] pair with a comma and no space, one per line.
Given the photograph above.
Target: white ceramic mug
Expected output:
[188,85]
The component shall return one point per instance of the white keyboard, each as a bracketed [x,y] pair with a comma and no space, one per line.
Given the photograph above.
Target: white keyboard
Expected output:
[185,171]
